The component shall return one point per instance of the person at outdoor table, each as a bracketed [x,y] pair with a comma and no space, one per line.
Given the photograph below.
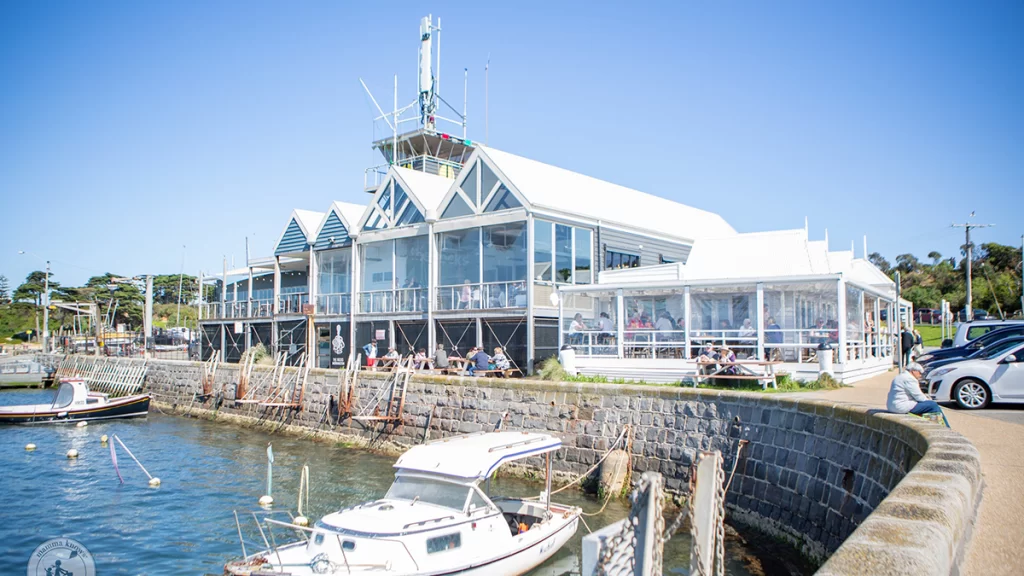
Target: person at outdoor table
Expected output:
[420,359]
[773,335]
[664,323]
[905,396]
[500,361]
[576,329]
[747,330]
[707,356]
[818,334]
[392,356]
[727,356]
[607,327]
[440,357]
[478,361]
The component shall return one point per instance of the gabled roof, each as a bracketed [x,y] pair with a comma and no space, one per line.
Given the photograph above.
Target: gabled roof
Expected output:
[427,189]
[338,223]
[475,455]
[298,233]
[547,186]
[423,190]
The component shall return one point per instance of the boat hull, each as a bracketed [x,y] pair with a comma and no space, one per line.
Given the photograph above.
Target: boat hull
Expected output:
[127,407]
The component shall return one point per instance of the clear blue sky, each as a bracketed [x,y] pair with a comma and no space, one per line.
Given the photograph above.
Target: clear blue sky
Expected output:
[136,128]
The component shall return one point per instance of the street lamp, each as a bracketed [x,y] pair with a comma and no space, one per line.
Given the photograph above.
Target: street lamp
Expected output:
[46,303]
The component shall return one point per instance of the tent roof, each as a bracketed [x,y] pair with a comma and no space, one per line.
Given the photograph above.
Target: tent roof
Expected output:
[475,455]
[544,185]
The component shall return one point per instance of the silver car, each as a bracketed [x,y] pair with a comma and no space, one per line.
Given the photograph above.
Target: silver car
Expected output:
[975,383]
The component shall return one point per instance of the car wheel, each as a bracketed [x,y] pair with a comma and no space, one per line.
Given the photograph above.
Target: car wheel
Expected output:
[971,394]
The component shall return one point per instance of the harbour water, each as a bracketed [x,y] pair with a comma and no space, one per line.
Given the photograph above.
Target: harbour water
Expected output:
[208,470]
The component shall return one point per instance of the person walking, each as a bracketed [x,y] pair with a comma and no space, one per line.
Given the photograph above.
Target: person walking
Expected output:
[906,344]
[905,396]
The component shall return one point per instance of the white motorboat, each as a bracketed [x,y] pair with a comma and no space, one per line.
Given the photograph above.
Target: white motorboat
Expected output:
[437,518]
[74,402]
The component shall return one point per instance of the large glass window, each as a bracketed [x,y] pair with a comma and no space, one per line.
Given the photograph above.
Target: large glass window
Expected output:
[377,265]
[457,207]
[553,252]
[563,253]
[503,199]
[542,250]
[487,181]
[505,252]
[460,257]
[469,186]
[614,260]
[334,268]
[725,316]
[411,262]
[584,256]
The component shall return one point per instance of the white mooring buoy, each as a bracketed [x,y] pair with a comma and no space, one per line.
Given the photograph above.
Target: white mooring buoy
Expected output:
[154,481]
[30,447]
[72,453]
[267,499]
[104,439]
[82,424]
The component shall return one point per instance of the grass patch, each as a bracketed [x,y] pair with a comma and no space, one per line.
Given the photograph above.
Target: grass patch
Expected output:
[784,382]
[930,335]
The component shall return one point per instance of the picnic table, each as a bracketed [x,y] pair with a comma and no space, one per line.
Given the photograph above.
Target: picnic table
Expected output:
[762,371]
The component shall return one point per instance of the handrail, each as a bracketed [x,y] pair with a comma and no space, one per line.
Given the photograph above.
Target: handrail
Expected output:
[308,529]
[482,296]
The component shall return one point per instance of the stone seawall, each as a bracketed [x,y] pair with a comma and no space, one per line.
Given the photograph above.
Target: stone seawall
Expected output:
[871,492]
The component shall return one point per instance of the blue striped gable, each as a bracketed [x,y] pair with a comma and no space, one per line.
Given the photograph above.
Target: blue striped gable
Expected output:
[293,240]
[333,228]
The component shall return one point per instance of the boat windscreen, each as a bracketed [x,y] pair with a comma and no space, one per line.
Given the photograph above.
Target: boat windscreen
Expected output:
[435,492]
[65,394]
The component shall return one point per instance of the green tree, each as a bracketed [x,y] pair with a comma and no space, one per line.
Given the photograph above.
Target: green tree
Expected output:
[907,263]
[5,290]
[882,264]
[32,289]
[935,256]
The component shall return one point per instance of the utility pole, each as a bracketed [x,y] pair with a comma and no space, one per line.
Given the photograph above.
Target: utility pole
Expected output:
[898,321]
[967,226]
[148,320]
[46,310]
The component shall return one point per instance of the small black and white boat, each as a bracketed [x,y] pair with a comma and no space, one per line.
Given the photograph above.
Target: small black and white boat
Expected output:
[73,402]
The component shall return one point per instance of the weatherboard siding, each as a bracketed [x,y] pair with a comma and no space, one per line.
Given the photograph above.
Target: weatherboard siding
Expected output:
[333,228]
[293,240]
[651,251]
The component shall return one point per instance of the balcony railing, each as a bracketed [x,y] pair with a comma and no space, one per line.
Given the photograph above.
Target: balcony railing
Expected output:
[388,301]
[292,303]
[333,304]
[485,296]
[232,310]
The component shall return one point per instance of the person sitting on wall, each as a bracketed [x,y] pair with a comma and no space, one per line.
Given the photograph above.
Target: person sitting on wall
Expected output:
[905,396]
[478,361]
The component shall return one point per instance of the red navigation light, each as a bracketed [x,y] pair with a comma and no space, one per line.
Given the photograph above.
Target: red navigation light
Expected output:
[445,136]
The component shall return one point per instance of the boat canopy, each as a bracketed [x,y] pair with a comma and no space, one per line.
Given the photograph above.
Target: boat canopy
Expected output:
[475,455]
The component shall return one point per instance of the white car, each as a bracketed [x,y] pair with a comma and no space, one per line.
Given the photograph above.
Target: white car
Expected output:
[975,383]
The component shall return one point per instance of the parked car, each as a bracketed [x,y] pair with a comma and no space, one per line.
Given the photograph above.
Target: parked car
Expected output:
[976,383]
[967,331]
[927,316]
[995,349]
[987,339]
[979,314]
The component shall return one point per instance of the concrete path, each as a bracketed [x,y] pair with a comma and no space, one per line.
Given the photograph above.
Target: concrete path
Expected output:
[997,546]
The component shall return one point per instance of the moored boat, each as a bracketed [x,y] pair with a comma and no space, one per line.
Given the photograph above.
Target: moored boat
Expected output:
[73,402]
[438,518]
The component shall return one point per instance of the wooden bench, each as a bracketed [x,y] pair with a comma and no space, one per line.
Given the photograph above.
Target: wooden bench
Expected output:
[761,377]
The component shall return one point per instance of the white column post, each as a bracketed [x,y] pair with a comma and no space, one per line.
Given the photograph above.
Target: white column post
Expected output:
[686,320]
[313,278]
[760,321]
[841,318]
[561,331]
[877,341]
[248,309]
[431,288]
[620,320]
[530,343]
